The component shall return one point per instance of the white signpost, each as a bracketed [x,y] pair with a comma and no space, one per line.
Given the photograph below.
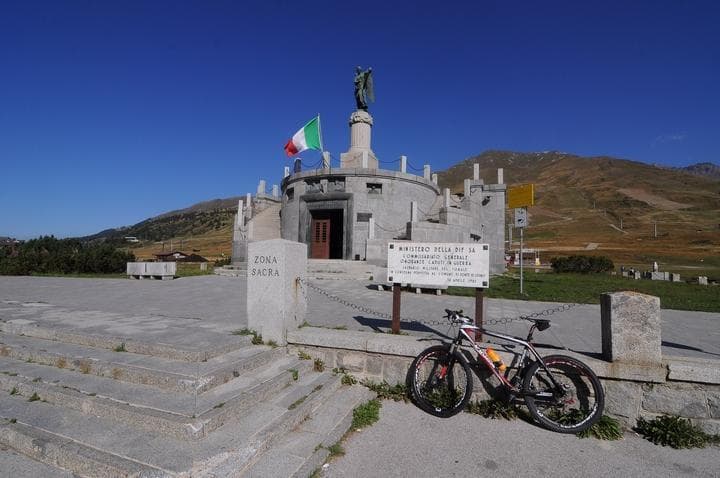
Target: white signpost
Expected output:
[439,264]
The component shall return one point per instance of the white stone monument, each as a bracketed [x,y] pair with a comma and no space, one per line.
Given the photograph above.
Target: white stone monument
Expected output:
[276,288]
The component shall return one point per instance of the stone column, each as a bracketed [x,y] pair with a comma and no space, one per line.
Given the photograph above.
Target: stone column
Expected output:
[248,205]
[360,139]
[466,187]
[286,171]
[501,179]
[371,228]
[446,198]
[365,160]
[476,172]
[414,211]
[326,160]
[403,164]
[275,191]
[261,187]
[426,172]
[630,324]
[434,178]
[276,288]
[297,165]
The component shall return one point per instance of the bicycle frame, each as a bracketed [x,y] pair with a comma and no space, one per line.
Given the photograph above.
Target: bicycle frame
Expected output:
[468,332]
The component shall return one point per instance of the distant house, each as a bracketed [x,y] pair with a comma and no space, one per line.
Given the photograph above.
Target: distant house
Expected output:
[178,256]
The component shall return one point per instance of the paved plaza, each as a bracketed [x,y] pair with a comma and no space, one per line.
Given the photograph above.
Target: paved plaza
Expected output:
[217,304]
[202,311]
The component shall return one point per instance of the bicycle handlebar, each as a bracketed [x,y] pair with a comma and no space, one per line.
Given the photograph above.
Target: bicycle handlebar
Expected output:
[457,316]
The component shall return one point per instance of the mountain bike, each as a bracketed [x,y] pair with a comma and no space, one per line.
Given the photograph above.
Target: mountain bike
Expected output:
[562,393]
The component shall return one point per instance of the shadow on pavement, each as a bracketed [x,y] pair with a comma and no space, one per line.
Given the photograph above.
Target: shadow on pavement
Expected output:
[384,325]
[686,347]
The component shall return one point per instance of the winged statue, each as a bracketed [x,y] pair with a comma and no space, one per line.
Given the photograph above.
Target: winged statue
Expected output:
[364,90]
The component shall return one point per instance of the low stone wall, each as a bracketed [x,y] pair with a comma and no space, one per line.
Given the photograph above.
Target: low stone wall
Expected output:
[151,270]
[686,387]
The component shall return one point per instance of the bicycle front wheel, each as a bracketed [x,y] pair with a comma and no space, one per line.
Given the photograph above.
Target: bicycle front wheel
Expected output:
[440,381]
[573,407]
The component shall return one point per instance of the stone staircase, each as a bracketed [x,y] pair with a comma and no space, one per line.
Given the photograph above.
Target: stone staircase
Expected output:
[96,405]
[235,270]
[266,223]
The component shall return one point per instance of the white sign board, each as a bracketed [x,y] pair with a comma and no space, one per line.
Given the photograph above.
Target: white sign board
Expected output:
[439,264]
[520,217]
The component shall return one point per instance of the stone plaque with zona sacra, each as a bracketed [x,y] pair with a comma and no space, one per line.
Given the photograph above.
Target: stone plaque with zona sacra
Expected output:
[439,264]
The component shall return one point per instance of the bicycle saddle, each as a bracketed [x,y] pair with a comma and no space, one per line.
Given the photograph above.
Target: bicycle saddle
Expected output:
[541,324]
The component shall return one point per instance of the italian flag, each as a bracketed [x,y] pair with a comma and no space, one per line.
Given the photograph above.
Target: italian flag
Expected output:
[307,138]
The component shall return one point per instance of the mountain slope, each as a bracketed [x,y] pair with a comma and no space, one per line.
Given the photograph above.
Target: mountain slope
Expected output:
[609,206]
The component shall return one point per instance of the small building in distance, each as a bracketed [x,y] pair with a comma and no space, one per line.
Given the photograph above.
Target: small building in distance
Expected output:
[178,256]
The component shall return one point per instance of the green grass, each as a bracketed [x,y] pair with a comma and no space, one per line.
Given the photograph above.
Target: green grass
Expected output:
[675,432]
[384,390]
[336,450]
[586,289]
[607,428]
[366,414]
[492,408]
[114,275]
[190,269]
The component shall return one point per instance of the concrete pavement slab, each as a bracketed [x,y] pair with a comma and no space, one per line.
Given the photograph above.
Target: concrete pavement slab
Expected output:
[408,442]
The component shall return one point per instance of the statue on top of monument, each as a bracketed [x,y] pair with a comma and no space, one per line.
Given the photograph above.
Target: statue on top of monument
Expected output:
[363,88]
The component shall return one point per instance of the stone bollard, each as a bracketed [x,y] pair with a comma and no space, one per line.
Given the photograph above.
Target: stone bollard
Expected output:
[276,289]
[631,326]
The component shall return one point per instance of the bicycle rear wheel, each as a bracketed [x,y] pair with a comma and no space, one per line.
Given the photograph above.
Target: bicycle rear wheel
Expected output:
[574,408]
[440,381]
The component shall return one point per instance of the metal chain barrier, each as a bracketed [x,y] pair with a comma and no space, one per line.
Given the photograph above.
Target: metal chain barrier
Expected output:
[367,310]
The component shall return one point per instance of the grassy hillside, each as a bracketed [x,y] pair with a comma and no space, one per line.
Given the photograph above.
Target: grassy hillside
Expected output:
[612,207]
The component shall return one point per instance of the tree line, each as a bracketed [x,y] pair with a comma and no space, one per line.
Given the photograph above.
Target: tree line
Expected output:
[49,255]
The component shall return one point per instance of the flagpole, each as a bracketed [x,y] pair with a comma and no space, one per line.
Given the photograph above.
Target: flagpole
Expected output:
[320,134]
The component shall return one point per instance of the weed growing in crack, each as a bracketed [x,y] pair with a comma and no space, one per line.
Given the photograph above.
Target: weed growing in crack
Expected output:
[366,414]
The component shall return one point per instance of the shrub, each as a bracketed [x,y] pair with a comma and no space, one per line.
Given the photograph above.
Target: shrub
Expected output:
[582,264]
[675,432]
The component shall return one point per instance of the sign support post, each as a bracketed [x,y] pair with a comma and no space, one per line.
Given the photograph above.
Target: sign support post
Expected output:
[519,198]
[479,311]
[396,309]
[521,260]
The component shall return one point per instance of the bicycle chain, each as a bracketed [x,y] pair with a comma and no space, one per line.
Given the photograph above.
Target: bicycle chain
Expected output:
[384,315]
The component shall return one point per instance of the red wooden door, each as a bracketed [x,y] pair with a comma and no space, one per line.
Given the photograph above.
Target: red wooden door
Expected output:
[320,247]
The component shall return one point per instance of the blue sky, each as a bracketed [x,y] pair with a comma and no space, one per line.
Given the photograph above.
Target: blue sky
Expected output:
[112,112]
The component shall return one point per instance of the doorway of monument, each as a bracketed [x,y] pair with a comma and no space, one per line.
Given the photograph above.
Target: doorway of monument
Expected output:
[326,234]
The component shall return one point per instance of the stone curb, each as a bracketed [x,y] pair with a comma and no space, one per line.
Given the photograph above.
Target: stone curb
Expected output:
[685,369]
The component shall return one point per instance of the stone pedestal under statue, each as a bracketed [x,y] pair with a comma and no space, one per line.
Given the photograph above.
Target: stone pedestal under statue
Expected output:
[360,154]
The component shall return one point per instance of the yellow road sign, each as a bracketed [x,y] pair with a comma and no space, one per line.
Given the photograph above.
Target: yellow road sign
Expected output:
[521,196]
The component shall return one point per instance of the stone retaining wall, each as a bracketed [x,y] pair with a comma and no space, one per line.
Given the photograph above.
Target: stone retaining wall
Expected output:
[686,387]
